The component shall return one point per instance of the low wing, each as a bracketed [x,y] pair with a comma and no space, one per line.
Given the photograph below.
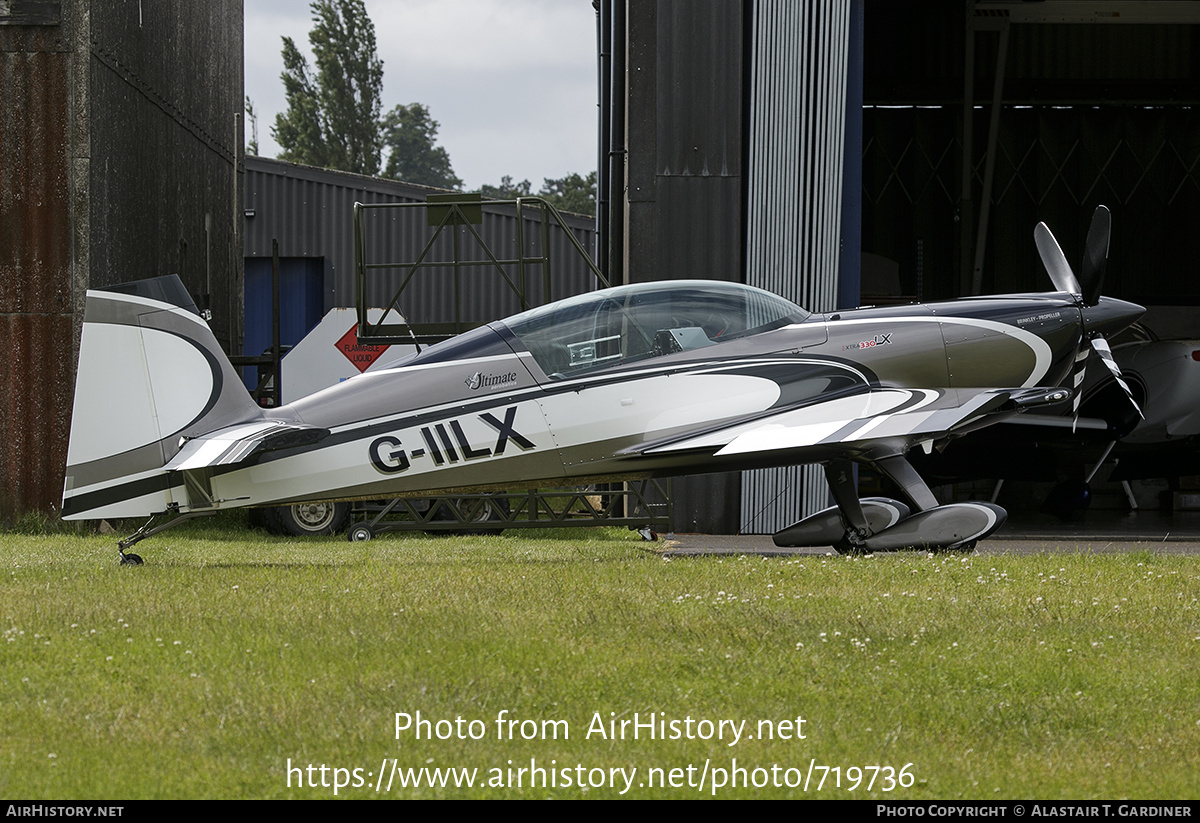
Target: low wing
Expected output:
[858,423]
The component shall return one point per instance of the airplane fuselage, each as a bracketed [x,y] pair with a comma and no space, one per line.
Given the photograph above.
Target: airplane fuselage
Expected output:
[658,379]
[500,420]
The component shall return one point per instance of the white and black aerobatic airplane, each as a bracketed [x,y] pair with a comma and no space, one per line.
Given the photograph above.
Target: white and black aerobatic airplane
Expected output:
[653,379]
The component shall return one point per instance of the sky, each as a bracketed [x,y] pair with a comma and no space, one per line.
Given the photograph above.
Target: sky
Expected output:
[511,83]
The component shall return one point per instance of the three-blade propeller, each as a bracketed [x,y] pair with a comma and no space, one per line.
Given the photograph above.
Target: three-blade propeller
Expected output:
[1095,261]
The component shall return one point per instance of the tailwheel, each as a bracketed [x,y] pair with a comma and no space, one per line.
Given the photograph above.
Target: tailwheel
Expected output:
[360,533]
[130,559]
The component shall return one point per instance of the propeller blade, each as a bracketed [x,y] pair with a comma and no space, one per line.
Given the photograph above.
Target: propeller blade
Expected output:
[1095,257]
[1081,356]
[1102,349]
[1055,261]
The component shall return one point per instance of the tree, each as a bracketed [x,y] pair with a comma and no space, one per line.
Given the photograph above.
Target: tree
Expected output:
[333,119]
[252,124]
[409,135]
[507,190]
[571,193]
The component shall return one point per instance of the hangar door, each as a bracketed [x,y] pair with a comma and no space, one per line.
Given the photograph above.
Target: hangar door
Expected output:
[301,303]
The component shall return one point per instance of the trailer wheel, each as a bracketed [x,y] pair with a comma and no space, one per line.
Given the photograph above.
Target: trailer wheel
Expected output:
[359,533]
[304,519]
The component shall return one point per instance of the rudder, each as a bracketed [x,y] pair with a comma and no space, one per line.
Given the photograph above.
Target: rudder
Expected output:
[150,375]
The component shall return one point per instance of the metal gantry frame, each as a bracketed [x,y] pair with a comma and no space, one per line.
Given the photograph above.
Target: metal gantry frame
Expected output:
[998,16]
[269,380]
[644,505]
[449,211]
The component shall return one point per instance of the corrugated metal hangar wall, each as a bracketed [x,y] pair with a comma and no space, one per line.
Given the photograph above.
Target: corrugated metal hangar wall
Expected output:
[720,134]
[731,163]
[120,145]
[1098,106]
[797,133]
[310,212]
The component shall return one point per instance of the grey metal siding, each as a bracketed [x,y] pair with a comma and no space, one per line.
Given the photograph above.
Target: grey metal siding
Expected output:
[794,186]
[311,212]
[684,209]
[684,114]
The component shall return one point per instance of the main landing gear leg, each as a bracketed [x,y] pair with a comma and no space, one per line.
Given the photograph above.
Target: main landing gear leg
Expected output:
[843,483]
[902,473]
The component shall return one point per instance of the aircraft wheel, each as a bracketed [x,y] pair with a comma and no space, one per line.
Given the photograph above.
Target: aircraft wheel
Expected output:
[305,519]
[852,545]
[131,560]
[360,533]
[261,518]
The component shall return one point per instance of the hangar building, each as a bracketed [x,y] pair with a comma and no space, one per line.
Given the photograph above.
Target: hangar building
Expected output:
[120,158]
[734,146]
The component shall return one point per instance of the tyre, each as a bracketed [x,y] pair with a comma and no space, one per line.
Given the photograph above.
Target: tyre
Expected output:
[474,510]
[265,519]
[304,519]
[359,533]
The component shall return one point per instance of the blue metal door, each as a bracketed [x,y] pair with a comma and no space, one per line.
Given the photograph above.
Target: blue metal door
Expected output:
[301,303]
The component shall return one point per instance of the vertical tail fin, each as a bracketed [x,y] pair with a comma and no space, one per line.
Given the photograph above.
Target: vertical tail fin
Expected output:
[150,375]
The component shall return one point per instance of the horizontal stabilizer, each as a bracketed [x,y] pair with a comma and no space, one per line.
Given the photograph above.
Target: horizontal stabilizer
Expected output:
[237,444]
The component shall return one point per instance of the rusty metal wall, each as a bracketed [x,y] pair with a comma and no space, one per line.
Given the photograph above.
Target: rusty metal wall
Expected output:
[119,139]
[310,212]
[36,305]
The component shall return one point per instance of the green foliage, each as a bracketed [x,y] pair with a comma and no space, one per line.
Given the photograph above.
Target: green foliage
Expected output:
[38,522]
[507,190]
[573,193]
[409,135]
[333,118]
[298,130]
[251,127]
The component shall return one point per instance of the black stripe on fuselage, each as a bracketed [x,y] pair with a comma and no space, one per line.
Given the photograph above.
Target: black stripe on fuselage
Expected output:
[428,420]
[81,503]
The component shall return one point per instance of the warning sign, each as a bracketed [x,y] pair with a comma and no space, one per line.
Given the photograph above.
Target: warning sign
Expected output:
[361,356]
[330,354]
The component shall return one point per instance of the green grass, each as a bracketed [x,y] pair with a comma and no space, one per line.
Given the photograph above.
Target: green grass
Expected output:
[231,653]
